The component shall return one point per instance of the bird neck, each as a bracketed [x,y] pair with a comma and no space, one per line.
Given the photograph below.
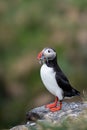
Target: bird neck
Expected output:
[53,64]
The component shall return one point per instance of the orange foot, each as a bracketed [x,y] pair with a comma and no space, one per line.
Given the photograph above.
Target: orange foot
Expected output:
[53,104]
[56,108]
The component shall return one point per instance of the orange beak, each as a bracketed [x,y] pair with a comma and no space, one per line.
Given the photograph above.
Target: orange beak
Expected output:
[39,55]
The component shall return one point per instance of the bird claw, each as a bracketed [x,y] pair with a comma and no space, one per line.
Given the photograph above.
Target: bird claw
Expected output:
[50,105]
[55,109]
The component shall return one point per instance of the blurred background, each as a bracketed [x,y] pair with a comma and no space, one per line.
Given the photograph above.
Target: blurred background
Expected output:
[26,27]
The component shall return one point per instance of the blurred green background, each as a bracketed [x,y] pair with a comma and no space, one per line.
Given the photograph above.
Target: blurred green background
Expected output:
[26,27]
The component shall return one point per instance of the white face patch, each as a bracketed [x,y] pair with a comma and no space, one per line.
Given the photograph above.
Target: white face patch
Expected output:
[49,53]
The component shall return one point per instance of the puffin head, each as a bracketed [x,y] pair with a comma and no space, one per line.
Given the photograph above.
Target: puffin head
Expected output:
[47,54]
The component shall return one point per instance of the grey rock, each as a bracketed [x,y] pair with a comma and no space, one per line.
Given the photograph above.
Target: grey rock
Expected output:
[69,109]
[42,114]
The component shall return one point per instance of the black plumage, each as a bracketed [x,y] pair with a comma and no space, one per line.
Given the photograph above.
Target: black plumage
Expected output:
[62,80]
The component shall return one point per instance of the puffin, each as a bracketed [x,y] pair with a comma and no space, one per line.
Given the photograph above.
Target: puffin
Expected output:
[54,79]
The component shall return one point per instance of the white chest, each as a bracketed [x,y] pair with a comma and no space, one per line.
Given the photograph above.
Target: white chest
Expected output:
[48,79]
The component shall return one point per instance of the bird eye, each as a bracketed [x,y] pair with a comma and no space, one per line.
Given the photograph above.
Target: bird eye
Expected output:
[48,51]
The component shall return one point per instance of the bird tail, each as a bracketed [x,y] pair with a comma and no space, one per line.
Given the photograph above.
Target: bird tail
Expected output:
[75,92]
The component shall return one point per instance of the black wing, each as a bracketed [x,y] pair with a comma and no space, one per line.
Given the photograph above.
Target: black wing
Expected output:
[63,82]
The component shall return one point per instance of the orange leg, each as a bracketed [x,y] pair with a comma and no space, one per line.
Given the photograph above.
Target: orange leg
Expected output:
[53,104]
[56,108]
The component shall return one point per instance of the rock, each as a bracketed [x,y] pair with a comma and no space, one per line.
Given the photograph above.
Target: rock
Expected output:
[68,109]
[21,127]
[42,114]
